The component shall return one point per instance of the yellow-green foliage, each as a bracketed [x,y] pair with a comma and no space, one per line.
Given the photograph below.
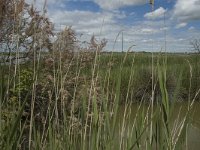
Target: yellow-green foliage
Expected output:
[23,82]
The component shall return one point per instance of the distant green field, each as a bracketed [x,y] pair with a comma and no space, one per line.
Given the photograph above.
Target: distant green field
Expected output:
[137,68]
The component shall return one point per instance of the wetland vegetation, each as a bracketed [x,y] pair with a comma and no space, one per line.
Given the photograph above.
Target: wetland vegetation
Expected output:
[65,96]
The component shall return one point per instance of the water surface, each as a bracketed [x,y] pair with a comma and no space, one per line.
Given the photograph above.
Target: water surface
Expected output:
[179,111]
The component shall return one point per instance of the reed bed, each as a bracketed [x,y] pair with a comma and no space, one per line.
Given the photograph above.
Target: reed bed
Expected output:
[71,97]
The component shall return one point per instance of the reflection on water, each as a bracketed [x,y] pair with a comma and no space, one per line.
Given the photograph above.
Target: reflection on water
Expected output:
[180,109]
[193,138]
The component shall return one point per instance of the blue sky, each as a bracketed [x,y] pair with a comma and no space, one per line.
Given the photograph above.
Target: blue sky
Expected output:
[146,29]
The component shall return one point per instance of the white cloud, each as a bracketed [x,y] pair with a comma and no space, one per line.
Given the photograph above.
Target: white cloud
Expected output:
[149,31]
[85,22]
[186,10]
[115,4]
[132,14]
[164,28]
[158,13]
[181,25]
[191,28]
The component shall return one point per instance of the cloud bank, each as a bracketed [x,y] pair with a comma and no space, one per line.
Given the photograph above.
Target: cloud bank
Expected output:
[187,10]
[115,4]
[140,30]
[158,13]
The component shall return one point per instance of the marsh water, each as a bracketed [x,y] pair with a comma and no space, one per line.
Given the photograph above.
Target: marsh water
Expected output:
[179,111]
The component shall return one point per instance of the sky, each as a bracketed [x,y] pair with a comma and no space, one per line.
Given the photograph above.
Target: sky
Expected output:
[170,25]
